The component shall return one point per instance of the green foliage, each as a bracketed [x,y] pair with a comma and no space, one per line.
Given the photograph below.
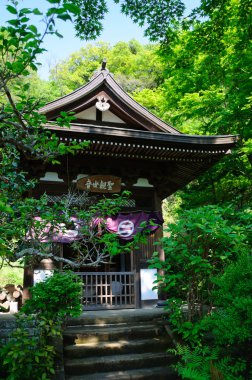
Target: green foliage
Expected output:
[195,364]
[153,100]
[208,278]
[88,16]
[135,67]
[28,354]
[208,91]
[24,234]
[224,351]
[231,323]
[31,352]
[205,363]
[160,17]
[56,298]
[199,246]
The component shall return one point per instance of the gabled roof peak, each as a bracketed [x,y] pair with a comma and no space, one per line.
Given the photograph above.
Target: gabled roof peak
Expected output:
[121,104]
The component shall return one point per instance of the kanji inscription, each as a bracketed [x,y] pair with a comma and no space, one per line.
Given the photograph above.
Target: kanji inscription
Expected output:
[100,184]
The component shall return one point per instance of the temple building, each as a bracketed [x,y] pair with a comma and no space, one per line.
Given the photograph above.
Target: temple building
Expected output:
[132,149]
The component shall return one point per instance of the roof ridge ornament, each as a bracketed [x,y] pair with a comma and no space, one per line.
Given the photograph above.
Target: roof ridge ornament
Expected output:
[103,65]
[103,70]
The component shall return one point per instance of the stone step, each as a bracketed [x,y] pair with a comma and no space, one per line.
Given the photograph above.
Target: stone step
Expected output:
[122,346]
[157,373]
[80,335]
[110,324]
[96,364]
[117,316]
[119,345]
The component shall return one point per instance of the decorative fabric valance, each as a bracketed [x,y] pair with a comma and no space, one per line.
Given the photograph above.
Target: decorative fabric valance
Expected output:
[126,226]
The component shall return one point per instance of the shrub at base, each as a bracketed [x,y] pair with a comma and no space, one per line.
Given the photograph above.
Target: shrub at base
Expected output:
[30,353]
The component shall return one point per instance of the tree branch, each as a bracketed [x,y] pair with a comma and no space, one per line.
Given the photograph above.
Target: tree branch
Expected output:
[13,106]
[32,252]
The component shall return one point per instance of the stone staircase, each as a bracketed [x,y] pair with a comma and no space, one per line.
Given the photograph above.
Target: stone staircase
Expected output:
[121,345]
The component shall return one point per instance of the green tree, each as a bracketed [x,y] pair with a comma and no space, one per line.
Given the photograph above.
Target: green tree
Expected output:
[200,243]
[208,91]
[134,66]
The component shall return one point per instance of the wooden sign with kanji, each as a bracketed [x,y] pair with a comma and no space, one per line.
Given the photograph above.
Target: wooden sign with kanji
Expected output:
[100,184]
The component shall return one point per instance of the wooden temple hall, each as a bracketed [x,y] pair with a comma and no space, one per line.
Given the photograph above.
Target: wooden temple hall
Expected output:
[132,149]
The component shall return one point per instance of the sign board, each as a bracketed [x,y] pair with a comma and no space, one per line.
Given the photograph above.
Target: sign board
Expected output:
[40,275]
[100,184]
[147,278]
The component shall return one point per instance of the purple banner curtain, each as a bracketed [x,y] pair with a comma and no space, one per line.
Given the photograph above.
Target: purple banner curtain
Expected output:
[126,226]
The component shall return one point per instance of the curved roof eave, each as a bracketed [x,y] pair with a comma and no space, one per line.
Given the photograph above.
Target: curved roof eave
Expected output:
[161,137]
[104,77]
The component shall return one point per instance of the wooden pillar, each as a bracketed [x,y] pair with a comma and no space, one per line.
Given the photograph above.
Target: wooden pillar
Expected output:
[27,283]
[137,290]
[159,234]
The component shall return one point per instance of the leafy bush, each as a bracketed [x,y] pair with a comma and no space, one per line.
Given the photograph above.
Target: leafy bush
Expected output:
[56,298]
[207,274]
[199,246]
[231,323]
[227,355]
[31,353]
